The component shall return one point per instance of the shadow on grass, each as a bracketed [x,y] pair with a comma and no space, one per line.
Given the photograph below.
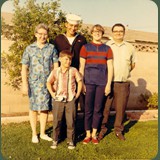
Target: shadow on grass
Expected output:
[80,131]
[129,125]
[110,124]
[49,131]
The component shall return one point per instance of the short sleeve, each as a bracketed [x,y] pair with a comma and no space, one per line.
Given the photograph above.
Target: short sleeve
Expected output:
[52,77]
[77,75]
[55,55]
[83,53]
[25,57]
[109,54]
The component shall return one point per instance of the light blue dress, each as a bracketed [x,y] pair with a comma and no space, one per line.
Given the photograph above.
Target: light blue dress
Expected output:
[40,63]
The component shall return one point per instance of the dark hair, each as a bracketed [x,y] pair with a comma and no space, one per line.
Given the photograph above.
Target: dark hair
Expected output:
[66,53]
[98,27]
[118,25]
[41,25]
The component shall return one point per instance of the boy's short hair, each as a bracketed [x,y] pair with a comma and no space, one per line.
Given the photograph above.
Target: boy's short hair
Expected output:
[67,53]
[98,27]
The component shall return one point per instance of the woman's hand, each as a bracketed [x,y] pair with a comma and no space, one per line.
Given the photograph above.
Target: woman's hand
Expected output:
[25,89]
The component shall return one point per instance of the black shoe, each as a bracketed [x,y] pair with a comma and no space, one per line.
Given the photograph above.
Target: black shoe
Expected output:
[102,134]
[120,136]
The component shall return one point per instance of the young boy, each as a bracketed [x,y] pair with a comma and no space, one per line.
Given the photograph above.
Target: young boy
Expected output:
[62,86]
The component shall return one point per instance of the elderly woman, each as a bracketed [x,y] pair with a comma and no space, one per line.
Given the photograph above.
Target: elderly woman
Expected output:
[37,62]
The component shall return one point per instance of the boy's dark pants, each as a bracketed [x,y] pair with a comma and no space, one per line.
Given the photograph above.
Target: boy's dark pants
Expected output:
[59,108]
[120,94]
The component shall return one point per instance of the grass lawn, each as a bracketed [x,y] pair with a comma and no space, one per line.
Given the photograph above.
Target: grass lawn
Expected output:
[141,143]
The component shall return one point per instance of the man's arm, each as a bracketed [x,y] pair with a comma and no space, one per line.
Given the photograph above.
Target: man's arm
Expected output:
[133,58]
[132,66]
[110,76]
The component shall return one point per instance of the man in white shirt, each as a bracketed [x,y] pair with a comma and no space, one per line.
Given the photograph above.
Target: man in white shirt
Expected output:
[124,62]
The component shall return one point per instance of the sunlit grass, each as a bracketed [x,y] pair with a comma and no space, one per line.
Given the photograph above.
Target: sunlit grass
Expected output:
[141,143]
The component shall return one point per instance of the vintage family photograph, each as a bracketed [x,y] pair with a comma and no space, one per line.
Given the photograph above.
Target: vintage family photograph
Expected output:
[79,80]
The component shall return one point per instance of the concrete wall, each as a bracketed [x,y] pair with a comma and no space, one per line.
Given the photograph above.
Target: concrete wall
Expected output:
[11,101]
[144,79]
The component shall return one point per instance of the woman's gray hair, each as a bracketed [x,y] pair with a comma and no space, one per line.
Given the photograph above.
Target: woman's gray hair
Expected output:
[41,25]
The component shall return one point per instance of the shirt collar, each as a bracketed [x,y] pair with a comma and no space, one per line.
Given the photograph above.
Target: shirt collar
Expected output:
[113,42]
[60,70]
[35,45]
[76,34]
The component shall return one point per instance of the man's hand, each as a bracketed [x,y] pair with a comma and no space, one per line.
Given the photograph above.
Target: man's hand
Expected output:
[107,90]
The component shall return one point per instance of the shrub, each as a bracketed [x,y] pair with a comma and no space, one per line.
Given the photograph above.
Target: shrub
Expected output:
[142,100]
[21,33]
[148,100]
[153,101]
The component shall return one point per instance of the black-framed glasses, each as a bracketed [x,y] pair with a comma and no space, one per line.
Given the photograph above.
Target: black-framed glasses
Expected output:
[118,31]
[96,31]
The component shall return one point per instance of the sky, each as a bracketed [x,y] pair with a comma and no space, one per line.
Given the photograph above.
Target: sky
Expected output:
[139,15]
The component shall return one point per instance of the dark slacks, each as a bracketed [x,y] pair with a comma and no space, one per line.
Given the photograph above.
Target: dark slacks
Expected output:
[80,102]
[93,106]
[59,108]
[120,94]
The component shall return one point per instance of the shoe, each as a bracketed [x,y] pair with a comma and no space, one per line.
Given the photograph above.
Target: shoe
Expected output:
[35,139]
[101,134]
[71,145]
[46,137]
[95,140]
[54,145]
[120,136]
[86,140]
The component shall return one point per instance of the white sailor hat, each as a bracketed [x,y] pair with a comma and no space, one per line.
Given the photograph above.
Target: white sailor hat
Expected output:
[73,19]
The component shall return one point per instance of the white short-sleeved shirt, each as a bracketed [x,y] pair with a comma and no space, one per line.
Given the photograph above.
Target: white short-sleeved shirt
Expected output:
[123,56]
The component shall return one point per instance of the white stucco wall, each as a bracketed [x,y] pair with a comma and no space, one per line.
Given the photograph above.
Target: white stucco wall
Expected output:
[144,78]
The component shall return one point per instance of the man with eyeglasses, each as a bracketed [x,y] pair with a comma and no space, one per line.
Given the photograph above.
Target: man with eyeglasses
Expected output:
[123,62]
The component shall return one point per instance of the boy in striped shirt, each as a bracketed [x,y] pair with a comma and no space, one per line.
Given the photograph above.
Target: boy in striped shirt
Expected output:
[62,86]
